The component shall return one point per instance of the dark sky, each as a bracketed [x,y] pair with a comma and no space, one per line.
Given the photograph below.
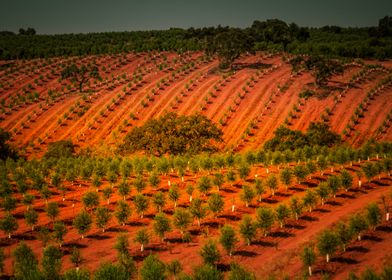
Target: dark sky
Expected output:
[75,16]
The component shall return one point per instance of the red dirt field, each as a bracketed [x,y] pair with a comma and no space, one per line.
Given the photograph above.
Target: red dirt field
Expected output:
[261,96]
[248,105]
[277,251]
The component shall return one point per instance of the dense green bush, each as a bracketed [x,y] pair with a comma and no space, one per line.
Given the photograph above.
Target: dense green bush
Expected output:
[173,134]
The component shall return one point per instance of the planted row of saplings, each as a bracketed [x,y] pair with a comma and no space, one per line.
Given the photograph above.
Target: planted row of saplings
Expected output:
[197,208]
[346,233]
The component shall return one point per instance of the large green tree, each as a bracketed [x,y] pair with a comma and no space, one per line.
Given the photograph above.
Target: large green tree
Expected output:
[173,134]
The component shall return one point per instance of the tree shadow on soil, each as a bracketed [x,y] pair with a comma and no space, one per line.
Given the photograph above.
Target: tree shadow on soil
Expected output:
[74,244]
[334,203]
[344,260]
[264,243]
[346,195]
[372,238]
[359,249]
[230,217]
[282,234]
[295,226]
[99,236]
[308,218]
[321,210]
[384,228]
[244,253]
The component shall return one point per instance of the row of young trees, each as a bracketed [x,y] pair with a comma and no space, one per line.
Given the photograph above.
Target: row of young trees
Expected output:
[27,266]
[344,233]
[197,208]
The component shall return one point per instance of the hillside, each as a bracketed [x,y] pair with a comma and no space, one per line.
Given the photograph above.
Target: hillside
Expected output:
[248,104]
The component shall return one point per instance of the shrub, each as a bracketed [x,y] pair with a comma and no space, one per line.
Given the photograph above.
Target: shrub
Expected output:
[173,134]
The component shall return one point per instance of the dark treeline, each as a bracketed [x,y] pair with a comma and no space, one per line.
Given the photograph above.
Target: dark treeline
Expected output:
[270,35]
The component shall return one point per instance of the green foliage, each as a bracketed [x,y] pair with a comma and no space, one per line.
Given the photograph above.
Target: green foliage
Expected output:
[76,257]
[228,45]
[344,234]
[82,222]
[204,184]
[248,229]
[207,271]
[173,134]
[123,211]
[161,225]
[265,219]
[25,263]
[296,207]
[210,253]
[6,151]
[51,262]
[308,256]
[197,209]
[52,210]
[59,230]
[282,213]
[109,271]
[285,177]
[215,203]
[247,195]
[174,268]
[102,217]
[142,237]
[152,269]
[238,272]
[272,183]
[228,238]
[373,214]
[318,134]
[310,199]
[90,200]
[159,200]
[80,74]
[8,224]
[327,243]
[346,179]
[141,204]
[181,219]
[59,149]
[74,274]
[174,194]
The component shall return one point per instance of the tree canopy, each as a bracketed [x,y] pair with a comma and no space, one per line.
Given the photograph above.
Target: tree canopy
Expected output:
[318,134]
[173,134]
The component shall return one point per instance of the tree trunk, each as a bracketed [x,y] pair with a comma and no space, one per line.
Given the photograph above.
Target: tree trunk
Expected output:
[168,183]
[9,235]
[198,222]
[322,202]
[190,198]
[281,224]
[296,216]
[359,183]
[107,201]
[232,208]
[82,236]
[103,229]
[359,237]
[310,270]
[142,248]
[327,258]
[387,217]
